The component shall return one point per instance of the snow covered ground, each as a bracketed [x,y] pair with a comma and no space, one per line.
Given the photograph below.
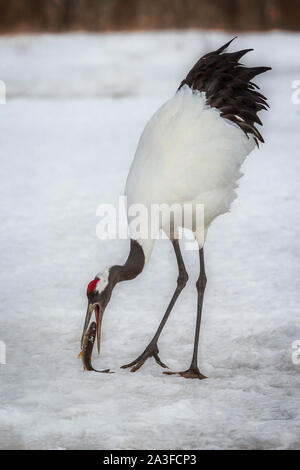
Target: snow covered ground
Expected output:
[76,105]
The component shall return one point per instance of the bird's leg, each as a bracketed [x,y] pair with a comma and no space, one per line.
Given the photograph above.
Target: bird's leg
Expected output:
[152,348]
[193,371]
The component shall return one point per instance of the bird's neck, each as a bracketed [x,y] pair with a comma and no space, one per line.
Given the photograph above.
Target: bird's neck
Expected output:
[132,267]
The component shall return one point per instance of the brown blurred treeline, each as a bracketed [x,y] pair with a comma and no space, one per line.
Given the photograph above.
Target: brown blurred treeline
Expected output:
[106,15]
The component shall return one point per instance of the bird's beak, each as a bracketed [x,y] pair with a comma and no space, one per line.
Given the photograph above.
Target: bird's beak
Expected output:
[93,307]
[99,317]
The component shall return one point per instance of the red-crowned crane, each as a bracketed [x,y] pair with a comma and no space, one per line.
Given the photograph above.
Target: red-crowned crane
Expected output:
[190,151]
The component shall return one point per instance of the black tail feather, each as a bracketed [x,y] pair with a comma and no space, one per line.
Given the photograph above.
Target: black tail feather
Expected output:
[229,88]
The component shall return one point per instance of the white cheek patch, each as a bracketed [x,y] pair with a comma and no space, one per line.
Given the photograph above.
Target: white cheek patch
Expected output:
[103,280]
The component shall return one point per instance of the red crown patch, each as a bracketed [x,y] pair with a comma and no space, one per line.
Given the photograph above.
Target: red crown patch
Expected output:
[92,285]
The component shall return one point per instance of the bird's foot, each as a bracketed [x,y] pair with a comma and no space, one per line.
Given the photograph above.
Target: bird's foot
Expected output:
[150,351]
[191,373]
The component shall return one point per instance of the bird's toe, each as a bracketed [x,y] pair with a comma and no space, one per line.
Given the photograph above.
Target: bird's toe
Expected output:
[137,366]
[188,374]
[159,362]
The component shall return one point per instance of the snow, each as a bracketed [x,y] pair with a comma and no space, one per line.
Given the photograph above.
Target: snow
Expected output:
[76,105]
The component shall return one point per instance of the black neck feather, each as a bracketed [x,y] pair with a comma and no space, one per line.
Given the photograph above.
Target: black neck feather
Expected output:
[132,267]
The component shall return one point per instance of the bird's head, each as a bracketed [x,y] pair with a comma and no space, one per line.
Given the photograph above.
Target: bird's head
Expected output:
[98,293]
[99,290]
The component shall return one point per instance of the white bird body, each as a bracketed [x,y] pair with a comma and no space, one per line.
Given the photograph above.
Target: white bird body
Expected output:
[188,153]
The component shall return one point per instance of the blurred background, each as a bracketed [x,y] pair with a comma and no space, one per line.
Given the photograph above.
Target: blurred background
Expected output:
[114,15]
[82,78]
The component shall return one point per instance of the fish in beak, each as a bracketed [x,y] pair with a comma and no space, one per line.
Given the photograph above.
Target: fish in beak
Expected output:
[93,307]
[87,349]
